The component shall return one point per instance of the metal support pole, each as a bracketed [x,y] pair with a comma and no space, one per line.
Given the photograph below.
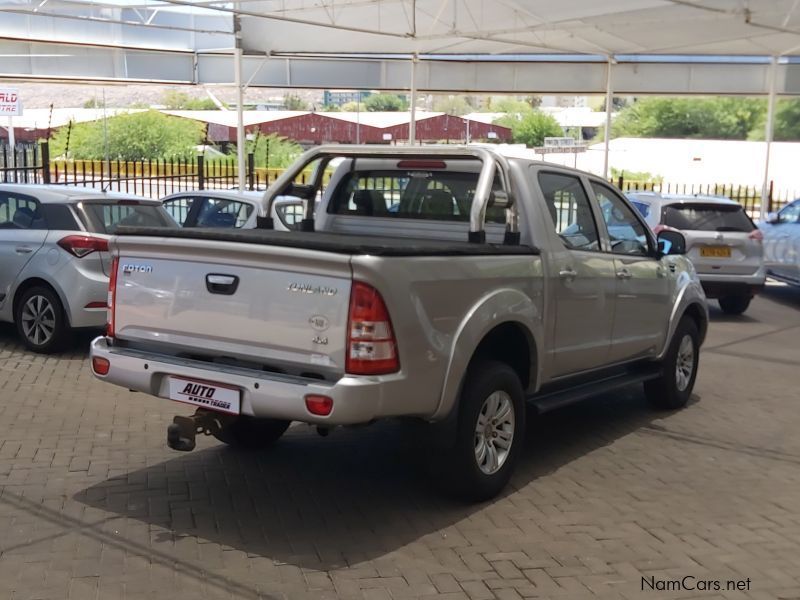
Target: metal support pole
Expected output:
[240,138]
[609,102]
[412,126]
[769,134]
[11,138]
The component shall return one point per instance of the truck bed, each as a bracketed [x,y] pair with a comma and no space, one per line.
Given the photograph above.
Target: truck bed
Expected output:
[335,242]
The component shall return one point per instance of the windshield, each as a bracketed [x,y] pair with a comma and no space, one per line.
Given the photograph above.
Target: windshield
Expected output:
[707,217]
[105,217]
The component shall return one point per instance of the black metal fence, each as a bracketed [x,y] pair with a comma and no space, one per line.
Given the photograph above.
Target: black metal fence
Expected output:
[156,178]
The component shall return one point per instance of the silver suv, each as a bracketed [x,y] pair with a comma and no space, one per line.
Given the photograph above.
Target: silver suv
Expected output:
[54,259]
[721,240]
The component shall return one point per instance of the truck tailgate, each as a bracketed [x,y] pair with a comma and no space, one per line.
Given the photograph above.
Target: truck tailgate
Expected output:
[280,308]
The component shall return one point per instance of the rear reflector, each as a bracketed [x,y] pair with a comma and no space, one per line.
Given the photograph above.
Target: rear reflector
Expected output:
[100,366]
[421,164]
[319,405]
[82,245]
[371,345]
[112,292]
[96,305]
[756,235]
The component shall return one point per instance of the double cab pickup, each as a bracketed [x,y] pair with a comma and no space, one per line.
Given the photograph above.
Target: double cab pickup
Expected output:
[448,284]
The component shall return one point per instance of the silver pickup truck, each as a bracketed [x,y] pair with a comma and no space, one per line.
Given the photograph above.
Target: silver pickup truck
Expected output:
[446,284]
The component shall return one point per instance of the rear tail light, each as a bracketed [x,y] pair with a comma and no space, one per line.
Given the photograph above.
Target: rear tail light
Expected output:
[112,292]
[371,345]
[81,245]
[756,235]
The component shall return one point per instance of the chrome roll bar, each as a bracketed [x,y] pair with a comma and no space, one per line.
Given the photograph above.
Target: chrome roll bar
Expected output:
[492,163]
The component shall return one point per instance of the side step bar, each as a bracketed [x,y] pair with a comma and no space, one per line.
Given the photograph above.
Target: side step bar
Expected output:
[563,397]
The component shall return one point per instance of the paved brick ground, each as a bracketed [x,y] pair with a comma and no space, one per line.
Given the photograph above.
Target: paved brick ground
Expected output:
[93,505]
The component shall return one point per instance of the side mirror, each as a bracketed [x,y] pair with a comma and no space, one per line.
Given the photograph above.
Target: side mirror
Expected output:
[671,242]
[773,218]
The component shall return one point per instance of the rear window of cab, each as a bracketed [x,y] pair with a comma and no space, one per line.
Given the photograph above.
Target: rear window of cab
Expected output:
[410,194]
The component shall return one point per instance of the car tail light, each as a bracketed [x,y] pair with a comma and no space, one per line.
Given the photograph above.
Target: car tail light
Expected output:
[371,346]
[421,164]
[112,292]
[101,366]
[81,245]
[756,235]
[319,405]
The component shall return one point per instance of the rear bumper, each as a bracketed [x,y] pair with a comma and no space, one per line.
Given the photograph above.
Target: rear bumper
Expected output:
[265,395]
[723,285]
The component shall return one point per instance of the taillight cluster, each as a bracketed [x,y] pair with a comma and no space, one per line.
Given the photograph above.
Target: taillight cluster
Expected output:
[112,292]
[82,245]
[371,345]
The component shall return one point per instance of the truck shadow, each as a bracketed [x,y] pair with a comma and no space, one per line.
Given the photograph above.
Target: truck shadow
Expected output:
[357,495]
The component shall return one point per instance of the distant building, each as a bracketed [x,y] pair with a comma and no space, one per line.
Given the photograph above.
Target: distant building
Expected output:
[342,97]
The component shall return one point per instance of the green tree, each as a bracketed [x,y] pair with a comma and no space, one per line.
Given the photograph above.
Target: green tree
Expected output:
[507,104]
[174,100]
[787,122]
[330,108]
[384,102]
[353,107]
[273,151]
[294,102]
[135,136]
[702,118]
[531,127]
[452,105]
[92,103]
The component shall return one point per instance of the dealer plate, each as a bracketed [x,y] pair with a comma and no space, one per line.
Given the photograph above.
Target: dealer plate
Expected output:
[715,251]
[205,394]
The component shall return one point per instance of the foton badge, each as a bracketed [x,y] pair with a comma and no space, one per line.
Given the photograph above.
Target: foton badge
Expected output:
[127,269]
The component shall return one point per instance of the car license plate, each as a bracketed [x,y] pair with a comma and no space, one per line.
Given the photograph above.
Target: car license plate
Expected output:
[715,251]
[205,394]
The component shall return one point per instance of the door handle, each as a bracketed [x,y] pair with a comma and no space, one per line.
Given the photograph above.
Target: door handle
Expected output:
[624,274]
[23,249]
[568,274]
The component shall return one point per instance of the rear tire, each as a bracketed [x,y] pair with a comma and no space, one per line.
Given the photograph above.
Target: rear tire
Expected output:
[734,305]
[250,433]
[41,321]
[673,388]
[489,433]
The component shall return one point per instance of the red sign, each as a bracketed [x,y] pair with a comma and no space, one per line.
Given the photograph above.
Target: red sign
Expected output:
[10,104]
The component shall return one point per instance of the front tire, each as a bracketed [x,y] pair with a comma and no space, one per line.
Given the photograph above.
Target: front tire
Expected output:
[250,433]
[41,321]
[490,432]
[734,305]
[673,388]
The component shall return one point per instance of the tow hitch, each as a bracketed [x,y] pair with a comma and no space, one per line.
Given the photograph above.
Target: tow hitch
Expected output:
[181,434]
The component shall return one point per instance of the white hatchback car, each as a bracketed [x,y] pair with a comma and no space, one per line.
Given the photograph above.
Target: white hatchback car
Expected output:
[721,240]
[54,258]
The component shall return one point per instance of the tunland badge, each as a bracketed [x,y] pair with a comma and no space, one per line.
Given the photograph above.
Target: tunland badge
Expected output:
[307,288]
[127,269]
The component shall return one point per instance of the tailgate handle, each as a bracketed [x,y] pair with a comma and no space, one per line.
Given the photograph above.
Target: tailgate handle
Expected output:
[222,284]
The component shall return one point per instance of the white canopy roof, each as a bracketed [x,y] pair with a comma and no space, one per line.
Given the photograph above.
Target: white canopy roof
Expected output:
[517,46]
[731,27]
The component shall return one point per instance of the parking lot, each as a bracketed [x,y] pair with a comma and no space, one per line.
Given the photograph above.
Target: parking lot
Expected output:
[94,505]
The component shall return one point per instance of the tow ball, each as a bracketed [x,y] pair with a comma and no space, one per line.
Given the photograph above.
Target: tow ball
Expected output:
[183,430]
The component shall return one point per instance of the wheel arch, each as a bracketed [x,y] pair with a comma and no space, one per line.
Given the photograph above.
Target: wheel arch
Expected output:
[31,282]
[490,330]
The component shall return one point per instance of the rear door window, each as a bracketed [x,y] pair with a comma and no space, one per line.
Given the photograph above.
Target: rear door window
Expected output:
[569,207]
[18,211]
[179,208]
[707,217]
[411,194]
